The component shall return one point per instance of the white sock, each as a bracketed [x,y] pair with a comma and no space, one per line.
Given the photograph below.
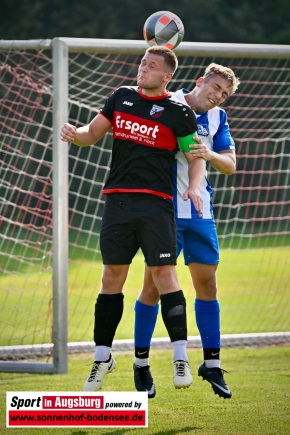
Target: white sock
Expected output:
[141,362]
[102,353]
[211,363]
[179,350]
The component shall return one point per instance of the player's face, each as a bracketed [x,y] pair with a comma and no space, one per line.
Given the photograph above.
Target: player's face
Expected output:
[211,92]
[153,74]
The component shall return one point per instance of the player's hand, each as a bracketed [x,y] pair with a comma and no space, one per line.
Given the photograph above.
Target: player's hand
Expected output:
[68,132]
[193,193]
[201,150]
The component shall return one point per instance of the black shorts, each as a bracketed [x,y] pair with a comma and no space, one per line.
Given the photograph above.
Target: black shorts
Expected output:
[132,221]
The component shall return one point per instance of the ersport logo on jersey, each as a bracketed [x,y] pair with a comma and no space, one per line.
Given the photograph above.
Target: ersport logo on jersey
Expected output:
[134,127]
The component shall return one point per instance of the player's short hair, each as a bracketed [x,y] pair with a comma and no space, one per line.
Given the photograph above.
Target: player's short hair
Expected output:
[225,72]
[168,55]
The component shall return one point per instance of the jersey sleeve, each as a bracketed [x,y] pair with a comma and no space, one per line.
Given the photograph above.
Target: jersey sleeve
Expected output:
[222,139]
[109,106]
[186,128]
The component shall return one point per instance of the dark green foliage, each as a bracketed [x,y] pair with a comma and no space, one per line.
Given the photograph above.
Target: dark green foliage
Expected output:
[212,21]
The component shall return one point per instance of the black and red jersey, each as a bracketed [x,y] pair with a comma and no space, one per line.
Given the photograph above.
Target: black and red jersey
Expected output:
[145,131]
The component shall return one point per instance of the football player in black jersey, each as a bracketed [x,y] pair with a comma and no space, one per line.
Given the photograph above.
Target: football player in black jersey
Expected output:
[148,127]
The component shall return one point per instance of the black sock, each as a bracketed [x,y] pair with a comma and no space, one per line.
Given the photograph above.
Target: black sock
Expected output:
[108,313]
[211,353]
[173,310]
[142,352]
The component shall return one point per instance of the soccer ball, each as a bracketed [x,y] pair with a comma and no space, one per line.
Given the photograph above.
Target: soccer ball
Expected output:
[163,28]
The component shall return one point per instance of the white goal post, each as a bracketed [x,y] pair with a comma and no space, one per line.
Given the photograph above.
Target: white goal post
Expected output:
[51,202]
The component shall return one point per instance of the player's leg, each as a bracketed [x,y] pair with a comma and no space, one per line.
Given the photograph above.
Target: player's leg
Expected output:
[108,313]
[201,252]
[159,248]
[118,246]
[173,310]
[146,311]
[207,314]
[207,310]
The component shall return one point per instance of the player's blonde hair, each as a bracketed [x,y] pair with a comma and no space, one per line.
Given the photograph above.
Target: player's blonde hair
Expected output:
[168,55]
[225,72]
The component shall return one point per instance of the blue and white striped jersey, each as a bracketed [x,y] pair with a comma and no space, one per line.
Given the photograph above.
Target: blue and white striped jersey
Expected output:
[214,131]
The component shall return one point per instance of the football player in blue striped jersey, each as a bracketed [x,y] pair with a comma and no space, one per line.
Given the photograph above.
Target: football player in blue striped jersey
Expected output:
[196,235]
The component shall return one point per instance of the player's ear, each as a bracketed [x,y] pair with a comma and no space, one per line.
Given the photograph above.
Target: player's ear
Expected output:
[168,77]
[199,81]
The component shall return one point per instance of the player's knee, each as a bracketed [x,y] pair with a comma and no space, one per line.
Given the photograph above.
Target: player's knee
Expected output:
[206,292]
[165,278]
[149,295]
[113,279]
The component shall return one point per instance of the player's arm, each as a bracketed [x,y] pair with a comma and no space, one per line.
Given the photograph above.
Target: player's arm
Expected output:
[196,171]
[223,161]
[88,134]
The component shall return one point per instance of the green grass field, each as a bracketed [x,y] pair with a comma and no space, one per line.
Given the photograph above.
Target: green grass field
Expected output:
[258,378]
[254,292]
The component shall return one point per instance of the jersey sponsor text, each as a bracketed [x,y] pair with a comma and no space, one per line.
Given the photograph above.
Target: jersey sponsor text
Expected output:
[136,127]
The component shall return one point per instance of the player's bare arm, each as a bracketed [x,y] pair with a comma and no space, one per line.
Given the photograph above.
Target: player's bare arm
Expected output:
[224,161]
[196,170]
[88,134]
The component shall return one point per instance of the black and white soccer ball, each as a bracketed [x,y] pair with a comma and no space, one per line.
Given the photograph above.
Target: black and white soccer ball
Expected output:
[163,28]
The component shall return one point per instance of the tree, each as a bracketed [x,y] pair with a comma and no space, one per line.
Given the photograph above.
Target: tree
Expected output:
[212,21]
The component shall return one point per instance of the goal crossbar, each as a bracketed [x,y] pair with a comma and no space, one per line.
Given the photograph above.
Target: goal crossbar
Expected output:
[129,46]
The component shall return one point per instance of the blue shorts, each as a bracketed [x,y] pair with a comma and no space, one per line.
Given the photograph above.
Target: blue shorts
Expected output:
[198,240]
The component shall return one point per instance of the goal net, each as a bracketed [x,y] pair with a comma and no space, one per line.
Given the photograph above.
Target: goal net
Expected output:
[252,207]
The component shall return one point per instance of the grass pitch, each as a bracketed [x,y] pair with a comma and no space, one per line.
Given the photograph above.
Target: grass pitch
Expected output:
[259,379]
[254,293]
